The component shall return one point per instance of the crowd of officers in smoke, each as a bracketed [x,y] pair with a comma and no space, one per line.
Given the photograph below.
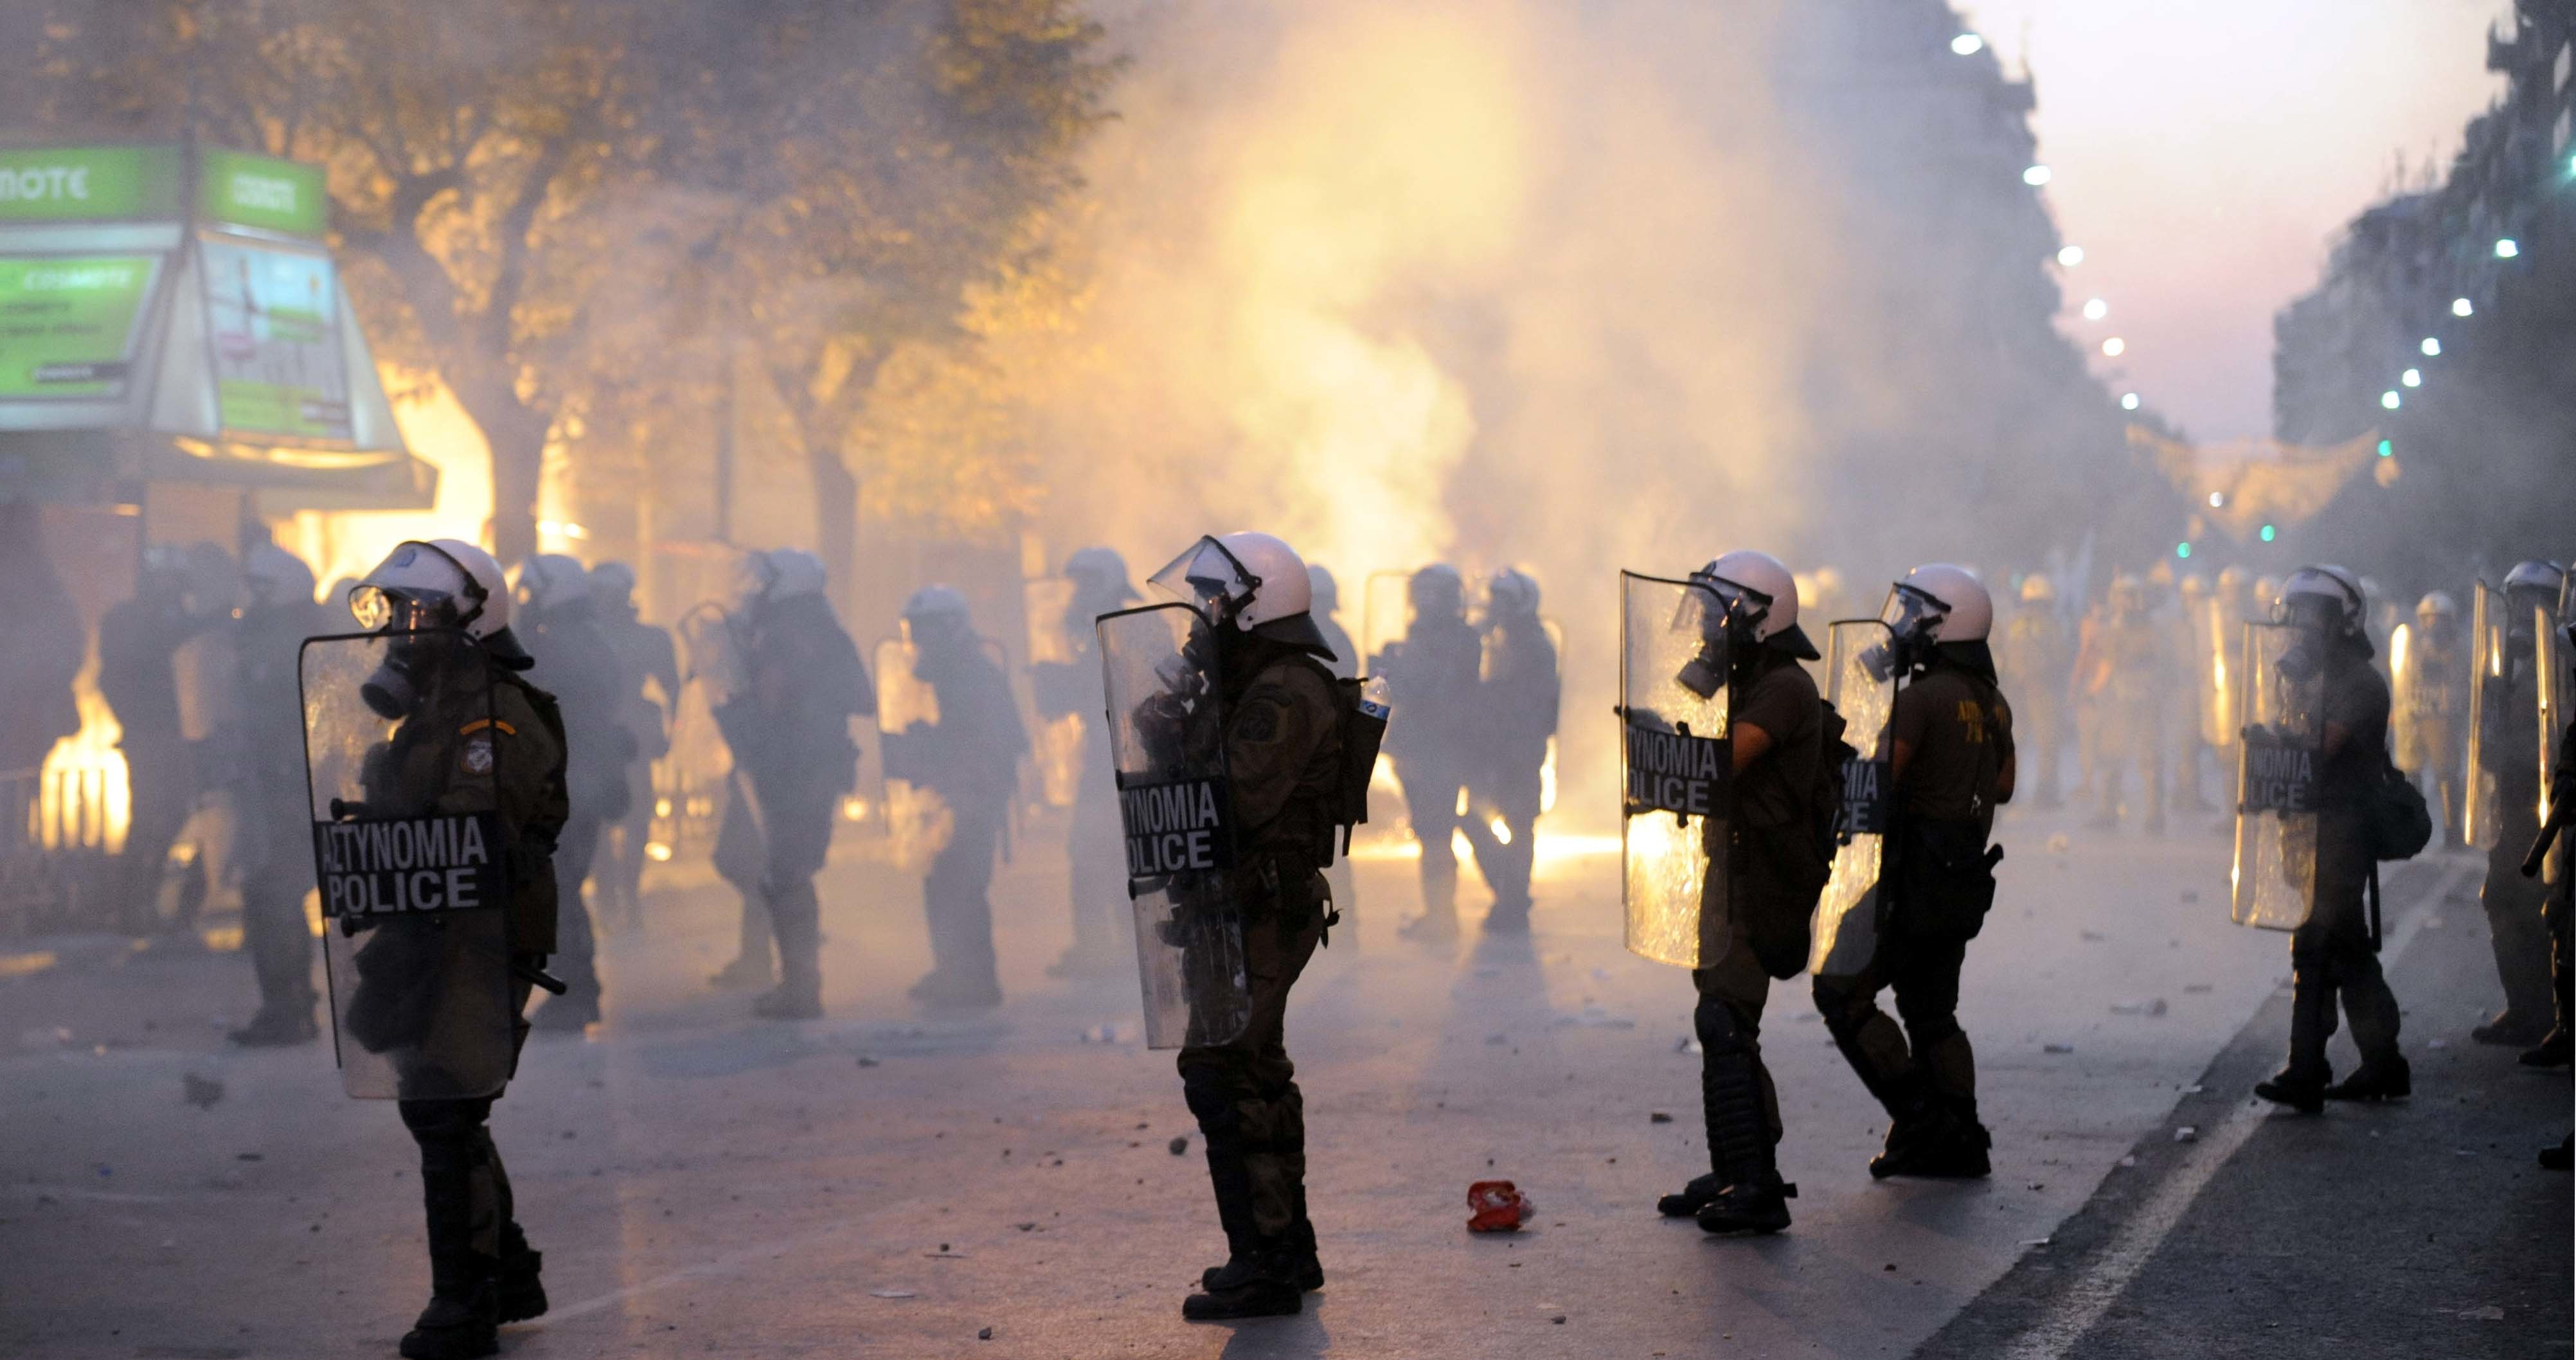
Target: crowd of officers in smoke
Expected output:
[1476,694]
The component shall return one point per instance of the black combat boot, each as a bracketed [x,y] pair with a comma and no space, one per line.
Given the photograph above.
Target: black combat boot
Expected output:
[2552,1051]
[2511,1029]
[1262,1284]
[521,1284]
[461,1326]
[277,1027]
[2303,1092]
[2386,1077]
[1758,1204]
[1690,1199]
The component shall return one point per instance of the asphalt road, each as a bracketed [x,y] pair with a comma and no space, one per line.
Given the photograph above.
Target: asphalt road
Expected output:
[883,1182]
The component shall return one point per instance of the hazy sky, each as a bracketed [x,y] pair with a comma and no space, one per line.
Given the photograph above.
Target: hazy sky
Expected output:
[2203,153]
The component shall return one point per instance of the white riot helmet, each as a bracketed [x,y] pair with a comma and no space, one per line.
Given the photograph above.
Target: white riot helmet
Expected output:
[1511,594]
[273,576]
[936,616]
[2437,605]
[1247,578]
[1322,591]
[1757,588]
[2326,597]
[613,584]
[434,583]
[1940,602]
[550,583]
[794,572]
[2036,588]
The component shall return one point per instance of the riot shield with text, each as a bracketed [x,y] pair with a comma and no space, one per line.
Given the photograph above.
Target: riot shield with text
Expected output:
[1175,808]
[1677,785]
[1863,689]
[2490,685]
[918,821]
[1064,687]
[411,858]
[2282,744]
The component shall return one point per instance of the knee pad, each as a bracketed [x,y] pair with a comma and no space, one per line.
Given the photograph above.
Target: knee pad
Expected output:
[1213,1100]
[1720,1036]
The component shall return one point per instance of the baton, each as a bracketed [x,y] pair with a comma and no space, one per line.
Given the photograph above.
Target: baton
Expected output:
[532,974]
[2540,844]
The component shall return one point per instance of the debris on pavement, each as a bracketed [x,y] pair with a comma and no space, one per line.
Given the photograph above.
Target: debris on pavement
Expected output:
[2187,1134]
[2482,1313]
[2151,1006]
[200,1091]
[2057,1048]
[1659,1117]
[1180,1144]
[983,1333]
[1496,1206]
[890,1294]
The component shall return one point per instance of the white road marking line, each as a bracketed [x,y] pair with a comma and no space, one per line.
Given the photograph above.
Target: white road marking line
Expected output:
[2084,1300]
[726,1264]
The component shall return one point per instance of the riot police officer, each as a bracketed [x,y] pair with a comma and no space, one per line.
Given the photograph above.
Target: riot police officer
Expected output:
[1282,737]
[650,659]
[786,714]
[1951,755]
[576,663]
[278,612]
[138,643]
[1096,884]
[2433,700]
[1517,711]
[2510,751]
[1434,673]
[969,758]
[2125,670]
[1775,732]
[2036,661]
[470,735]
[2332,952]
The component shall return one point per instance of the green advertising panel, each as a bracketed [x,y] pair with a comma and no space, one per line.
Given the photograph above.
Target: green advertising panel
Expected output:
[261,191]
[67,324]
[273,317]
[88,183]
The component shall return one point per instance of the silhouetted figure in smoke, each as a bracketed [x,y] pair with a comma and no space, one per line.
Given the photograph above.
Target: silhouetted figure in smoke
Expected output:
[791,682]
[1434,672]
[649,658]
[138,642]
[1517,711]
[970,759]
[560,626]
[2036,659]
[266,763]
[46,644]
[2510,750]
[2433,696]
[2126,671]
[1103,926]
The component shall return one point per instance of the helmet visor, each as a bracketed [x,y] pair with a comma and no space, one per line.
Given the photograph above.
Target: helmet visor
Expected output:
[1207,577]
[1707,609]
[396,609]
[1910,610]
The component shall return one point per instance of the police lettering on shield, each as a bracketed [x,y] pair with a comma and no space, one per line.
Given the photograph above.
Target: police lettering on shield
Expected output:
[399,865]
[1675,771]
[1177,827]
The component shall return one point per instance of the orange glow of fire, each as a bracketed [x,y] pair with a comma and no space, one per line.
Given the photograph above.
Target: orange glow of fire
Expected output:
[82,800]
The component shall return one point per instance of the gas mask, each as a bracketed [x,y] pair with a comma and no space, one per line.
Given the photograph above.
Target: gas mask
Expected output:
[1724,615]
[392,692]
[1913,620]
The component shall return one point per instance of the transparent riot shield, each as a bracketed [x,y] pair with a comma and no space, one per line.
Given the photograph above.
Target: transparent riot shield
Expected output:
[1167,743]
[2490,685]
[2274,873]
[1064,686]
[1677,785]
[2550,689]
[2215,664]
[2405,683]
[410,854]
[1386,614]
[1861,688]
[918,820]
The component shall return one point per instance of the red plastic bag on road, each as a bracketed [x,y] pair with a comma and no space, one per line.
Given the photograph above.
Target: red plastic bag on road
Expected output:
[1495,1206]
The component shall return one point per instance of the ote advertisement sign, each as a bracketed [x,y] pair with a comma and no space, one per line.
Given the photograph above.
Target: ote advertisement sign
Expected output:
[1175,827]
[397,866]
